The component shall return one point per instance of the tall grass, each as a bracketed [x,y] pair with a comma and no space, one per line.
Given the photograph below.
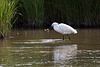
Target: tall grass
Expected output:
[34,11]
[74,12]
[7,12]
[80,13]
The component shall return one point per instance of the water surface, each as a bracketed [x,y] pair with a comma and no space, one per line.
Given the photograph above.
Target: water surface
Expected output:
[37,48]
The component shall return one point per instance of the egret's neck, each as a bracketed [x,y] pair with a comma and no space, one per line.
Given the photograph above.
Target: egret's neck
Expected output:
[55,26]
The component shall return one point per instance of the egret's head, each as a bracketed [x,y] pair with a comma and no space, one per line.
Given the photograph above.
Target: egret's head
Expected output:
[54,24]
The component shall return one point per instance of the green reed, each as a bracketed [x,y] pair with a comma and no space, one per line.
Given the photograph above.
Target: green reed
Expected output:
[7,12]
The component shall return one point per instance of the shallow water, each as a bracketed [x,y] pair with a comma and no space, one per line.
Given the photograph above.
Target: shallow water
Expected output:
[37,48]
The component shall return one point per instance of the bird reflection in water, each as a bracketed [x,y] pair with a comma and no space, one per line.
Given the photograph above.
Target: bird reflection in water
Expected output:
[65,53]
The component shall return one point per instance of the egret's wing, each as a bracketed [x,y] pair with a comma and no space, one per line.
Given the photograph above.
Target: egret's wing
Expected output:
[67,29]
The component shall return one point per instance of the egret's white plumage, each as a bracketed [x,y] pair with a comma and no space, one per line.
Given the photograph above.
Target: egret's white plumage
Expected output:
[63,29]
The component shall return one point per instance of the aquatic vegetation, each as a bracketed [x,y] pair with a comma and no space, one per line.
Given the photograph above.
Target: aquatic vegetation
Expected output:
[7,12]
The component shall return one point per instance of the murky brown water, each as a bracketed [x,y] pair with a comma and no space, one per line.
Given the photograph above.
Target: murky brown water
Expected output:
[36,48]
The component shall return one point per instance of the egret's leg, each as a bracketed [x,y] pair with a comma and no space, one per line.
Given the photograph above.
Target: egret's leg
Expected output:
[68,36]
[63,37]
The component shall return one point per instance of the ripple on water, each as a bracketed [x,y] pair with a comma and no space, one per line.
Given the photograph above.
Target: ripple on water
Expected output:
[39,41]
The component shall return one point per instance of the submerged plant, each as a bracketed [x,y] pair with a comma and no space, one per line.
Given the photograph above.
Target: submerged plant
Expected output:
[7,12]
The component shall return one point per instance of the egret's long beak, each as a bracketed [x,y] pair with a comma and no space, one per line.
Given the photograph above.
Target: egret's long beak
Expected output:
[47,30]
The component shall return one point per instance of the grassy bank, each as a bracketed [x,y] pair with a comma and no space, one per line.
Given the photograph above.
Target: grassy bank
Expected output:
[40,14]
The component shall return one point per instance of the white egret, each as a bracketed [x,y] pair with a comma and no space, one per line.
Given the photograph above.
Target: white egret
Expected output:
[63,29]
